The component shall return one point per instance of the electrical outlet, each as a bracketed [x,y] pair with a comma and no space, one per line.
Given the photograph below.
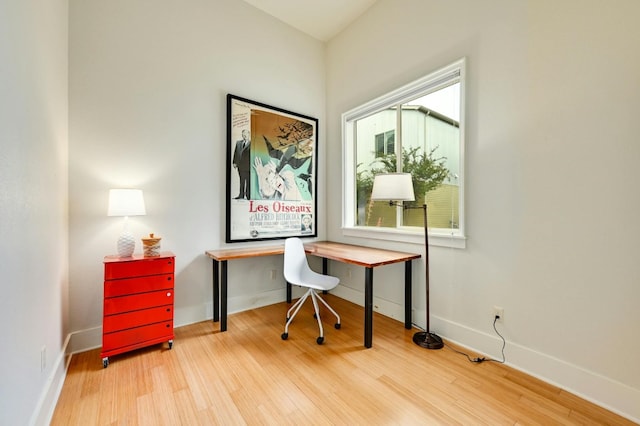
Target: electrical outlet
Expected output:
[43,358]
[498,311]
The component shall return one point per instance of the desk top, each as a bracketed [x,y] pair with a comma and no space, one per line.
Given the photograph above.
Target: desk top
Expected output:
[358,255]
[245,252]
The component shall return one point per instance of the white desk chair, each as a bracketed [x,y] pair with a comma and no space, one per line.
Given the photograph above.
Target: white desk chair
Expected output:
[297,272]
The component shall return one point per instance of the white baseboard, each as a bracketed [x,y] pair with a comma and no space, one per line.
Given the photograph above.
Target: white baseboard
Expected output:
[385,307]
[84,340]
[51,392]
[247,302]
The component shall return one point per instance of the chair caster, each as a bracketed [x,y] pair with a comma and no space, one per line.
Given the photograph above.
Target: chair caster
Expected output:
[284,336]
[337,326]
[320,340]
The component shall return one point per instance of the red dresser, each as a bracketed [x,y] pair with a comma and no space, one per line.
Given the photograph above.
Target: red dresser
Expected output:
[138,303]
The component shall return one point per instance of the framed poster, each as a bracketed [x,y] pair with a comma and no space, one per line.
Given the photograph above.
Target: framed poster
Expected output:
[271,172]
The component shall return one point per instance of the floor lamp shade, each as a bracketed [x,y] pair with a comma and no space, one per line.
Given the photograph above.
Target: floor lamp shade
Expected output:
[126,202]
[393,187]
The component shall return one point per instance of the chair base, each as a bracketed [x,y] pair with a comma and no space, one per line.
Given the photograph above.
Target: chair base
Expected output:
[315,297]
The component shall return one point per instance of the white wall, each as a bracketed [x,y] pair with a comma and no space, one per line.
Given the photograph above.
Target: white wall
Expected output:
[552,94]
[148,85]
[33,206]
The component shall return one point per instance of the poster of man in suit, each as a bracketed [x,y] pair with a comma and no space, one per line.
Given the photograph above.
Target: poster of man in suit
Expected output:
[271,174]
[242,163]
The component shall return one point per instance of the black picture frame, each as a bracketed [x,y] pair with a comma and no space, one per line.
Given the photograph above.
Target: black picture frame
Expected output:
[271,172]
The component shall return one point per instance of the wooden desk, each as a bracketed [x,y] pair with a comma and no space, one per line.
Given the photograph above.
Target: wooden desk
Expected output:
[367,257]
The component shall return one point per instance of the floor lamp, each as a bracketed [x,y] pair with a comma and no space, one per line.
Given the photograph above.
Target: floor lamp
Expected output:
[396,188]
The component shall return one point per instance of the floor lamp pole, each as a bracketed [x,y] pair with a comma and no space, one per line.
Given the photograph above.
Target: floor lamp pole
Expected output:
[426,339]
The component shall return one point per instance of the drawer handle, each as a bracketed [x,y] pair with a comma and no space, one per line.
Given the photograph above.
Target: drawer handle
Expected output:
[168,278]
[167,325]
[168,309]
[168,294]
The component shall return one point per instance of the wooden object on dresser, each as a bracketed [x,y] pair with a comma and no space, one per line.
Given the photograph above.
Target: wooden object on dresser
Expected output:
[138,303]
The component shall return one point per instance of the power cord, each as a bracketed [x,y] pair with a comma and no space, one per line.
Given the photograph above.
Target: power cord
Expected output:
[479,360]
[504,342]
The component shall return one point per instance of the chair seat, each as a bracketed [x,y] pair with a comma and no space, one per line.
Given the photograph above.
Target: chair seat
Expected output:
[317,281]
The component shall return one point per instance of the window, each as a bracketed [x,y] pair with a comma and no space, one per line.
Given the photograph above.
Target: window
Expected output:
[417,129]
[385,143]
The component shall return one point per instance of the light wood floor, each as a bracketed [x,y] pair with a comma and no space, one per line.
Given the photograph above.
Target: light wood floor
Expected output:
[248,375]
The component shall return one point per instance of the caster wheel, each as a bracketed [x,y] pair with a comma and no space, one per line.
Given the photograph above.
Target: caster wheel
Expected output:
[105,362]
[285,336]
[170,344]
[315,316]
[337,326]
[320,340]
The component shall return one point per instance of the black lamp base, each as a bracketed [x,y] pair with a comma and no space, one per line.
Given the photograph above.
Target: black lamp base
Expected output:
[428,340]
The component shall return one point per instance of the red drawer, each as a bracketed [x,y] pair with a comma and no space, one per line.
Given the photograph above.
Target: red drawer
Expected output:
[134,302]
[137,318]
[123,287]
[139,267]
[136,336]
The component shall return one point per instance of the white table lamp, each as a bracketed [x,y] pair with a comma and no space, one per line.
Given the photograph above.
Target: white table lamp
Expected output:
[396,187]
[126,202]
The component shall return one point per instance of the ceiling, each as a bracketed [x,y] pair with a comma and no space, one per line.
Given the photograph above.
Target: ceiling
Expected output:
[321,19]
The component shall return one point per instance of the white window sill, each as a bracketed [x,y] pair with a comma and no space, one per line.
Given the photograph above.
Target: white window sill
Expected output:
[407,235]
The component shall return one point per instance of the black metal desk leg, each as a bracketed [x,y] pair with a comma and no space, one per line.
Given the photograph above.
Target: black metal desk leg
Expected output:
[216,291]
[407,294]
[223,298]
[368,307]
[288,292]
[325,270]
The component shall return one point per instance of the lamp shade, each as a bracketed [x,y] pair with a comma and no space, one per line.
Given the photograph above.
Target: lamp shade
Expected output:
[393,187]
[126,202]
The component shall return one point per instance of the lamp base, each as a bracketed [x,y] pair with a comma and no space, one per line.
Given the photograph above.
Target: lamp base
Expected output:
[126,244]
[428,340]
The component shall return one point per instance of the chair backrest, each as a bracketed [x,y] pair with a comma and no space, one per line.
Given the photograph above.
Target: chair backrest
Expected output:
[296,266]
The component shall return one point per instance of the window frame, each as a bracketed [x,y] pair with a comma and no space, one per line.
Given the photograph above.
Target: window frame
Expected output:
[454,237]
